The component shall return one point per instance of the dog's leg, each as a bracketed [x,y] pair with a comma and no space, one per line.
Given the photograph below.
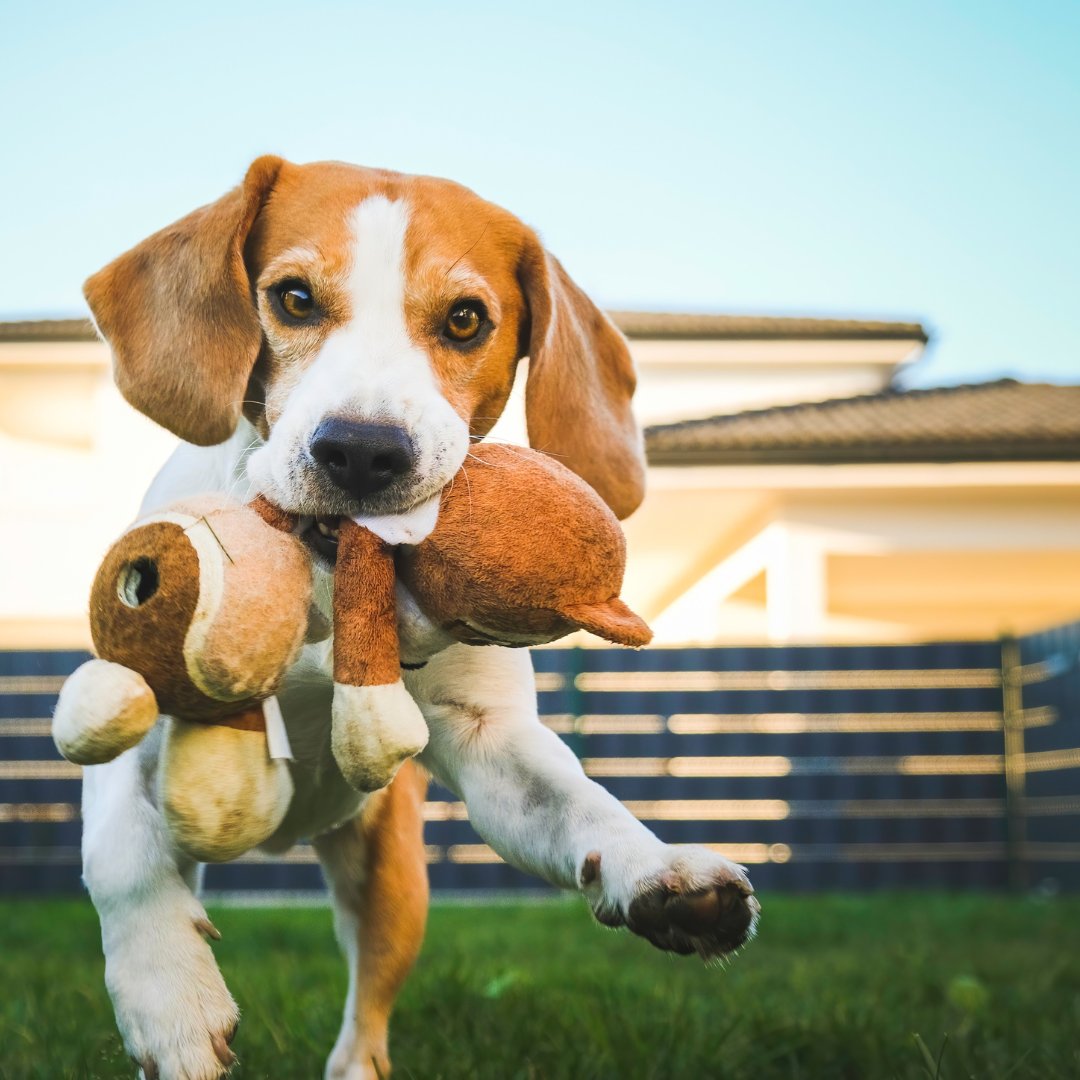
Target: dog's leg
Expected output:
[174,1012]
[378,876]
[529,798]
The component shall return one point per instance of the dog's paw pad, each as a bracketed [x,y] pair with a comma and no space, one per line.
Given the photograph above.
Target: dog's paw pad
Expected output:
[700,904]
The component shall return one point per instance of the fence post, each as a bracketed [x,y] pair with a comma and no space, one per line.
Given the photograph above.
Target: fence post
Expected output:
[1012,723]
[575,700]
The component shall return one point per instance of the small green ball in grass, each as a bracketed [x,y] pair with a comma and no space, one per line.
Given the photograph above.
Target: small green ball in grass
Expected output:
[968,993]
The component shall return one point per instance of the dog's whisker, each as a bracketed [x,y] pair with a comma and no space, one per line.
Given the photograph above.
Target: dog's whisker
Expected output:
[487,464]
[549,453]
[468,483]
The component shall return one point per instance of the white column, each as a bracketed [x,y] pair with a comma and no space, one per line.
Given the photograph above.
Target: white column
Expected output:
[796,590]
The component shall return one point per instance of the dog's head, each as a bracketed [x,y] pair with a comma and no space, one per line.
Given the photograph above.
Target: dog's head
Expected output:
[369,324]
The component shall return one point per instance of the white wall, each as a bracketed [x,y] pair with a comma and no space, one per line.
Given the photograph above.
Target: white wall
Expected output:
[862,552]
[64,499]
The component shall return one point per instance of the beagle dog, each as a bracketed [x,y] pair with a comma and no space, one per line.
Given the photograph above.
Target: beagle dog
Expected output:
[334,337]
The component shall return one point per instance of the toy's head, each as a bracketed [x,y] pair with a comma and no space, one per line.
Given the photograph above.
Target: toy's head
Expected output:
[524,552]
[207,602]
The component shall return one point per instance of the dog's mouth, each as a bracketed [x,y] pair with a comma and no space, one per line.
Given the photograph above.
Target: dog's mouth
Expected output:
[321,532]
[321,535]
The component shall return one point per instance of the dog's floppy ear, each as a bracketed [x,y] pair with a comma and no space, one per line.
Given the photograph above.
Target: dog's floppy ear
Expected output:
[581,380]
[178,314]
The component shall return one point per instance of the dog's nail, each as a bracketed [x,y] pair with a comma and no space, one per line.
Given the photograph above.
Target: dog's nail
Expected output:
[205,926]
[150,1069]
[590,868]
[221,1048]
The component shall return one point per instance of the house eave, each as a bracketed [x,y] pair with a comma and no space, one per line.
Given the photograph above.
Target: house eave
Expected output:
[900,455]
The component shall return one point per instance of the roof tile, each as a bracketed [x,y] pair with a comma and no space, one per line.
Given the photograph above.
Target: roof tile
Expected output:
[1003,420]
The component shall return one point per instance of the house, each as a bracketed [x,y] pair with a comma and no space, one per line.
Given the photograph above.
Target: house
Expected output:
[767,519]
[893,516]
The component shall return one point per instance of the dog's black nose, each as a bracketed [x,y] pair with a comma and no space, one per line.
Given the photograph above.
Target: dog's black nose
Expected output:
[362,458]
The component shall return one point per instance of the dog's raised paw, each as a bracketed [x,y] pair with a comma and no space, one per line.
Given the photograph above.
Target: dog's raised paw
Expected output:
[699,902]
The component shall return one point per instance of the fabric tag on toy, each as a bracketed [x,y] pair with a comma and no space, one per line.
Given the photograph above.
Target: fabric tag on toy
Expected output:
[277,738]
[409,527]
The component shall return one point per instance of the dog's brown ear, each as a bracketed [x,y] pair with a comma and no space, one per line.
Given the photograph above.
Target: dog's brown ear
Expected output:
[178,314]
[581,380]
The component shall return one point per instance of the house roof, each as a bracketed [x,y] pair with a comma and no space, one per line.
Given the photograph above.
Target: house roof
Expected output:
[47,330]
[635,324]
[672,325]
[995,421]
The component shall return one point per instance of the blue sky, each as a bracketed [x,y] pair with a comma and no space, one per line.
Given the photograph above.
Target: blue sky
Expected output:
[902,160]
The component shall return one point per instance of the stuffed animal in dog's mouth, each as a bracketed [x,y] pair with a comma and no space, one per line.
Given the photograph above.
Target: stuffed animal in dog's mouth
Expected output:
[198,611]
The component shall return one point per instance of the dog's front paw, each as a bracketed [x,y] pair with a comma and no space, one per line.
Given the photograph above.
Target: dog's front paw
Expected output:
[684,899]
[173,1009]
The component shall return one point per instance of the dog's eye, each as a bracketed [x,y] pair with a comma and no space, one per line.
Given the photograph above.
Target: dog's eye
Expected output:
[465,320]
[296,300]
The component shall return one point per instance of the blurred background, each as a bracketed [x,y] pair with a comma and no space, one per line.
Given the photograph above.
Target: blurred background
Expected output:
[841,240]
[841,244]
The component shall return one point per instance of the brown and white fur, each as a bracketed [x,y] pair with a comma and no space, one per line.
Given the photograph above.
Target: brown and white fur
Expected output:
[198,341]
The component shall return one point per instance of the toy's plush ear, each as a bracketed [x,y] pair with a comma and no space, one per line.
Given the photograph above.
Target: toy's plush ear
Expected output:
[581,380]
[178,314]
[611,620]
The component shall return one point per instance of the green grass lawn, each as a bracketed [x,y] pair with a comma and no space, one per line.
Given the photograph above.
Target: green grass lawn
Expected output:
[833,987]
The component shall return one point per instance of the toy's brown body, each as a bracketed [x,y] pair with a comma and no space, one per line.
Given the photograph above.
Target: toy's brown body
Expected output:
[524,552]
[198,612]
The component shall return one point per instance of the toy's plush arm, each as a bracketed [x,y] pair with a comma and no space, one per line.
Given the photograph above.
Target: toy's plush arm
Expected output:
[366,651]
[103,710]
[273,515]
[376,723]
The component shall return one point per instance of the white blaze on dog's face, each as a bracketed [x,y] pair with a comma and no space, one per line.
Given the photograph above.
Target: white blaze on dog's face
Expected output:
[363,368]
[369,323]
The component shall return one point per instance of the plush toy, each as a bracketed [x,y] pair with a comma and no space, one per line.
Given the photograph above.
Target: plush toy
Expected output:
[199,611]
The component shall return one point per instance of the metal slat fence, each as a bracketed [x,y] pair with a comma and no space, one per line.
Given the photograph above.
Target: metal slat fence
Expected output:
[950,765]
[1045,783]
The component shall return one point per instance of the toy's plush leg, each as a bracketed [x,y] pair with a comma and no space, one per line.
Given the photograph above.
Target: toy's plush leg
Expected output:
[376,723]
[103,710]
[221,791]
